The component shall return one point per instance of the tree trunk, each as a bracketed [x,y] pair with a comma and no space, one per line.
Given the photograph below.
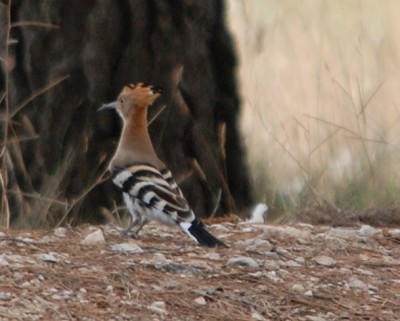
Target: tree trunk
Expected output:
[72,56]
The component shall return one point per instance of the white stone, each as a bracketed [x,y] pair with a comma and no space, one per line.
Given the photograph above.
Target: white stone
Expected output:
[3,261]
[158,306]
[94,238]
[341,232]
[373,288]
[126,248]
[367,230]
[109,288]
[314,318]
[284,232]
[26,284]
[214,256]
[355,283]
[255,244]
[6,296]
[47,257]
[256,274]
[200,301]
[60,232]
[305,225]
[159,257]
[220,227]
[325,260]
[292,263]
[248,229]
[272,275]
[257,215]
[271,265]
[257,316]
[298,288]
[243,261]
[309,294]
[300,259]
[394,232]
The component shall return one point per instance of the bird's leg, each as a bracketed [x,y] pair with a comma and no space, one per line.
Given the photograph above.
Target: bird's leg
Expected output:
[142,223]
[132,223]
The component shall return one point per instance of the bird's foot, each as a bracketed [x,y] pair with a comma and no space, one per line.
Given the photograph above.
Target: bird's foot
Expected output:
[131,234]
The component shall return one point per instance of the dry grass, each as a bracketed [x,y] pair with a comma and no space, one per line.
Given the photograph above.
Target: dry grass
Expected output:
[37,206]
[319,82]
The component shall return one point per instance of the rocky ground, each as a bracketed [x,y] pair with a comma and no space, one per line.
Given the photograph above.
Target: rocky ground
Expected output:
[297,272]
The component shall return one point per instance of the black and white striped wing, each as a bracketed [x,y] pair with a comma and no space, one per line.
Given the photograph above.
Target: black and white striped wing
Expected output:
[157,191]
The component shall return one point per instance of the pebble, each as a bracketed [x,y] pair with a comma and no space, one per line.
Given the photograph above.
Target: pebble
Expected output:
[243,261]
[271,265]
[255,245]
[221,228]
[314,318]
[170,284]
[373,288]
[3,261]
[6,296]
[47,257]
[159,307]
[394,232]
[126,248]
[94,238]
[356,283]
[159,257]
[367,230]
[200,301]
[248,229]
[309,294]
[298,288]
[292,263]
[212,256]
[325,260]
[284,232]
[257,316]
[273,276]
[60,232]
[340,232]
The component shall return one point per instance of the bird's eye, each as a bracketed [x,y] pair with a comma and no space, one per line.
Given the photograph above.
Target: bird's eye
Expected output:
[121,101]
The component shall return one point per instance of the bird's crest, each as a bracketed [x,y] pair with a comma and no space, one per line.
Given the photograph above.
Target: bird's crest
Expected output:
[142,94]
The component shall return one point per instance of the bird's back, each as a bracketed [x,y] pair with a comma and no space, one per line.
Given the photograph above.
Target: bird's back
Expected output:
[157,191]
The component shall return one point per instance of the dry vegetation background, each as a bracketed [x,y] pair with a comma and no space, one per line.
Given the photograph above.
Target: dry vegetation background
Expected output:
[320,91]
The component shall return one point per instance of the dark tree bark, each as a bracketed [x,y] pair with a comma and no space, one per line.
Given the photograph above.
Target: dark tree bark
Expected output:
[95,49]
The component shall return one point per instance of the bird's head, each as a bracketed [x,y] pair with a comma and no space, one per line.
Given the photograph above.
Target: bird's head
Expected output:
[133,97]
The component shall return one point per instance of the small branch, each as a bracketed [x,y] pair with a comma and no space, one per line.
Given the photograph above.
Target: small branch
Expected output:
[34,24]
[37,93]
[100,180]
[156,115]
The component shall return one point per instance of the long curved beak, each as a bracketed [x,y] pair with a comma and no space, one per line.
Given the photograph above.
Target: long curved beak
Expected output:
[112,105]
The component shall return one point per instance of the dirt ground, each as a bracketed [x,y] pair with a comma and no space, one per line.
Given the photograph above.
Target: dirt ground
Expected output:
[270,272]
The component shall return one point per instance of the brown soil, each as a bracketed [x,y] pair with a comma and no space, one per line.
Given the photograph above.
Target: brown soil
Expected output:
[50,277]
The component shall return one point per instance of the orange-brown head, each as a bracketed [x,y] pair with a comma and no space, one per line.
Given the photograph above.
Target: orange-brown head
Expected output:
[133,97]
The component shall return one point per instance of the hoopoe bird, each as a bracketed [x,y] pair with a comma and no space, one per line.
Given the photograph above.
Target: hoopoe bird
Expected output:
[148,188]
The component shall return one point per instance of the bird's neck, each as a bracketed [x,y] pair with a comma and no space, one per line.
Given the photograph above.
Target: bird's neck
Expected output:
[135,143]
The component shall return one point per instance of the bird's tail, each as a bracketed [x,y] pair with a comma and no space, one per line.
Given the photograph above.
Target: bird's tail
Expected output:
[198,231]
